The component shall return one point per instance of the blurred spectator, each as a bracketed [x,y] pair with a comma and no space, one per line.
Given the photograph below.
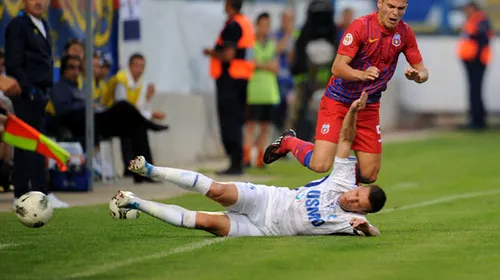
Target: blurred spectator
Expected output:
[345,21]
[74,47]
[312,58]
[28,59]
[475,53]
[11,87]
[263,92]
[286,36]
[231,68]
[122,119]
[99,84]
[128,85]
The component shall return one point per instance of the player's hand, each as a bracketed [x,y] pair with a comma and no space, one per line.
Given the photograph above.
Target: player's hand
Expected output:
[413,74]
[370,74]
[10,86]
[360,103]
[360,224]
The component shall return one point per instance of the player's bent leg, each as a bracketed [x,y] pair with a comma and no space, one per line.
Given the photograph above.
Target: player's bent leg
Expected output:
[224,193]
[217,223]
[172,214]
[369,166]
[322,156]
[368,143]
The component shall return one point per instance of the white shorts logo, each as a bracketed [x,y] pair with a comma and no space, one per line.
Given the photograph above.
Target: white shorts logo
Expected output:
[348,39]
[325,128]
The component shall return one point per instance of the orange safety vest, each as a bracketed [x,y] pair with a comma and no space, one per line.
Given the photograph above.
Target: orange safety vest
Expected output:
[468,48]
[239,68]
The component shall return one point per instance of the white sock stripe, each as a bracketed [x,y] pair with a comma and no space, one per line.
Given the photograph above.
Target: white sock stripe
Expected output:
[195,180]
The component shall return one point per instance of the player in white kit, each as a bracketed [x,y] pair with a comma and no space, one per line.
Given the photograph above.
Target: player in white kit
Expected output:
[331,205]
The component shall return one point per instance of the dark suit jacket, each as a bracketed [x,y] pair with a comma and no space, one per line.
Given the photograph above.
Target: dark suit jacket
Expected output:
[28,57]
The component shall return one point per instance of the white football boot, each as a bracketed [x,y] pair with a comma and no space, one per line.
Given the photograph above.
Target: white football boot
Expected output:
[125,199]
[56,203]
[140,166]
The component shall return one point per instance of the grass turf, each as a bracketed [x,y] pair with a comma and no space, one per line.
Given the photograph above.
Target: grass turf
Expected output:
[454,239]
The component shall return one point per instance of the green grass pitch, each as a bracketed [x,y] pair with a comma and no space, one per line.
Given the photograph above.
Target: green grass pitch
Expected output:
[441,221]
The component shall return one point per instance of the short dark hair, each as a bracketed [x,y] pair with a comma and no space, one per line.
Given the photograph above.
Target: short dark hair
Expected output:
[262,16]
[65,61]
[236,4]
[376,197]
[71,42]
[2,54]
[134,57]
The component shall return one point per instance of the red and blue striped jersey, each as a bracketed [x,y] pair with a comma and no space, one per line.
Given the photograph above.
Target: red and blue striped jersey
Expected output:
[369,44]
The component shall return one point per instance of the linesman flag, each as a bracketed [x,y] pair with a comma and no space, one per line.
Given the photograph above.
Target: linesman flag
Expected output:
[21,135]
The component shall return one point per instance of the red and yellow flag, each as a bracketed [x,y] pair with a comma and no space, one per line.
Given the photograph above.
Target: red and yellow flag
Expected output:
[21,135]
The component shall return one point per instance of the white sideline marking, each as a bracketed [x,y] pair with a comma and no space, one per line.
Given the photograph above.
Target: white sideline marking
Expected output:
[178,250]
[198,245]
[7,245]
[441,200]
[405,185]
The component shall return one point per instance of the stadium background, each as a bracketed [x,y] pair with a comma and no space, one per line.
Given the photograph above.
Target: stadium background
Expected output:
[175,63]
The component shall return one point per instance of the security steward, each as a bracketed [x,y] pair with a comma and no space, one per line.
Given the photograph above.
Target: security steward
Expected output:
[474,50]
[28,59]
[231,66]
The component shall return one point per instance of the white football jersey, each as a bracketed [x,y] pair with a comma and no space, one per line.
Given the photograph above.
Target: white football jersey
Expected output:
[314,208]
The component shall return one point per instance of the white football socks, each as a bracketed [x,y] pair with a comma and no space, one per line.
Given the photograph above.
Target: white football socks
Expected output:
[188,180]
[172,214]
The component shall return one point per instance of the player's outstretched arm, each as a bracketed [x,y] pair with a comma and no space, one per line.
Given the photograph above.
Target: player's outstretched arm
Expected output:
[364,227]
[348,130]
[418,73]
[342,69]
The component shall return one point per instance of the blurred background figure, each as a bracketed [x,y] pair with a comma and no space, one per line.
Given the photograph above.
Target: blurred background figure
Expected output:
[128,85]
[6,151]
[263,92]
[28,59]
[231,67]
[312,58]
[345,21]
[475,53]
[285,37]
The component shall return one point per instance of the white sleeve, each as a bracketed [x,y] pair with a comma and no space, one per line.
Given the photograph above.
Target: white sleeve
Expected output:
[337,225]
[147,110]
[344,172]
[342,224]
[120,93]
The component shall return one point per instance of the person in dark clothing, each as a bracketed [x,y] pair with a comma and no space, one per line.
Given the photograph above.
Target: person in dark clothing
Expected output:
[28,59]
[475,53]
[231,67]
[318,29]
[122,119]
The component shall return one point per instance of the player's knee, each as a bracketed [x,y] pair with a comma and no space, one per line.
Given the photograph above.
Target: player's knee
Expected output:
[216,191]
[225,194]
[369,176]
[215,224]
[320,166]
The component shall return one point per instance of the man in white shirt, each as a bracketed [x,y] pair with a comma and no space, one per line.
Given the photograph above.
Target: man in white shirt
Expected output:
[331,205]
[134,81]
